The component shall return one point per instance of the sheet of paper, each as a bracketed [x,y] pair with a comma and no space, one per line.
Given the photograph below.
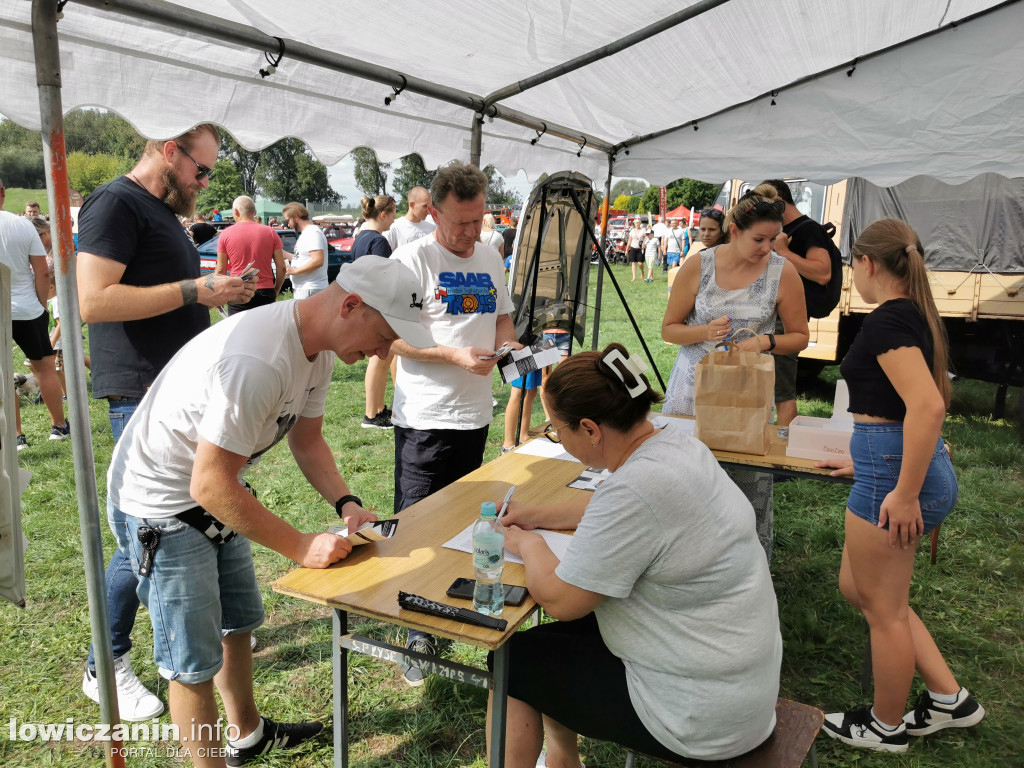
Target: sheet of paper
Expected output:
[520,362]
[543,447]
[463,542]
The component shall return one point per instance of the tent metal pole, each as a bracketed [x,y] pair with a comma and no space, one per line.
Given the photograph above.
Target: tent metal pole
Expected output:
[48,80]
[604,51]
[217,28]
[476,130]
[622,297]
[601,261]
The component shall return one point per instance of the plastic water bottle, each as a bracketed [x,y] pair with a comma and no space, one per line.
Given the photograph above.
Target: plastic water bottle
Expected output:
[488,561]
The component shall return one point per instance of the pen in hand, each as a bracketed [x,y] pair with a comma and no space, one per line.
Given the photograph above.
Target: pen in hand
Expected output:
[504,504]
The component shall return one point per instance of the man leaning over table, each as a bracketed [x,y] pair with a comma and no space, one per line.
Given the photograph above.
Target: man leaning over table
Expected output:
[177,498]
[443,406]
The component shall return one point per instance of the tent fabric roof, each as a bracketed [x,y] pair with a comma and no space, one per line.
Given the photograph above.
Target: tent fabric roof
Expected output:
[947,104]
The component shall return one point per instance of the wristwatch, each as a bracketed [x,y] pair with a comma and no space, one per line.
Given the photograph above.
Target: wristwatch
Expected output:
[771,341]
[345,500]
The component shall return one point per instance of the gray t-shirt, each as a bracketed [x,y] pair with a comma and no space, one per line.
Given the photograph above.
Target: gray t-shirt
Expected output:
[690,607]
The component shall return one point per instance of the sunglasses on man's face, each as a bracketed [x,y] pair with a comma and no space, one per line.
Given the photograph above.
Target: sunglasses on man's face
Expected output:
[202,172]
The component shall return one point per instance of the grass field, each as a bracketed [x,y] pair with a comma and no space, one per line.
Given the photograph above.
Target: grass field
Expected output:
[16,198]
[971,599]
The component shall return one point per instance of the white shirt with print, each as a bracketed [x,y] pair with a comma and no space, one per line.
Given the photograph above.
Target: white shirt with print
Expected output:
[462,301]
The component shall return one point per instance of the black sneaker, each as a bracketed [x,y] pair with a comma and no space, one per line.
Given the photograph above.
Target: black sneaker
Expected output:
[413,675]
[381,421]
[275,736]
[22,442]
[58,432]
[929,716]
[859,729]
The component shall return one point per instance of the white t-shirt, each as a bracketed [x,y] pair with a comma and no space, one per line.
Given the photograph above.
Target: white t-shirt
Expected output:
[462,301]
[690,607]
[675,240]
[312,238]
[404,231]
[241,385]
[635,237]
[18,241]
[493,239]
[660,230]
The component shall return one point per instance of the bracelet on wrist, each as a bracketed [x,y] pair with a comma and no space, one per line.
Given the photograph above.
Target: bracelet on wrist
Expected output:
[771,342]
[345,500]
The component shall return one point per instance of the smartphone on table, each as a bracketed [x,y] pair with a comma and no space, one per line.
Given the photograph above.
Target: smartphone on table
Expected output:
[463,589]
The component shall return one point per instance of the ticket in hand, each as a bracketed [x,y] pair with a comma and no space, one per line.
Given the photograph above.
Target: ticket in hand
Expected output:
[249,273]
[500,352]
[378,530]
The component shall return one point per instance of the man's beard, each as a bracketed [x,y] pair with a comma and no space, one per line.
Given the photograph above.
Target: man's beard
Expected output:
[181,200]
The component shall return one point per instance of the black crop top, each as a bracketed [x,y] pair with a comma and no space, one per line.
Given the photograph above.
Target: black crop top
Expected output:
[894,324]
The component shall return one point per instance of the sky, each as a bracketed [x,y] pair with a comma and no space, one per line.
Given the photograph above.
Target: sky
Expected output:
[343,181]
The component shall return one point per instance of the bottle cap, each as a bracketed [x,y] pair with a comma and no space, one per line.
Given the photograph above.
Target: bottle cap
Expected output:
[487,509]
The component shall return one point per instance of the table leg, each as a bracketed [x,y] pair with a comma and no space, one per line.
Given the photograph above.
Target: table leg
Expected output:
[499,708]
[339,665]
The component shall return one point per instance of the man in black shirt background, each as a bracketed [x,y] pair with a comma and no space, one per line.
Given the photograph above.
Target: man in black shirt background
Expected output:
[804,243]
[141,292]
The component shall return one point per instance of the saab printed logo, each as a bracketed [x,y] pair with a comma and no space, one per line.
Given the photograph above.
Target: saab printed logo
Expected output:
[467,293]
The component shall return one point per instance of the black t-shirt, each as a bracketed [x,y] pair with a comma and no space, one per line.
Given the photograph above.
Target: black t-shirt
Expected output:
[894,324]
[202,232]
[509,236]
[371,242]
[805,233]
[124,222]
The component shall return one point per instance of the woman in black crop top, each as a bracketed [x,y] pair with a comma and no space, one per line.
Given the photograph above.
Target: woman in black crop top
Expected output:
[904,487]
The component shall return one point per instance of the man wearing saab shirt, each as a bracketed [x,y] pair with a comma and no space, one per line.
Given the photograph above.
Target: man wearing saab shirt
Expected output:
[442,407]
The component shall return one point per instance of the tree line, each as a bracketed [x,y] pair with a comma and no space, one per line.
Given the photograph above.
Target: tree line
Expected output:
[634,196]
[101,146]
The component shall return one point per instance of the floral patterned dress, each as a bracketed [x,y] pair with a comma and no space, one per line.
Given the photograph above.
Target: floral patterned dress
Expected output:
[750,307]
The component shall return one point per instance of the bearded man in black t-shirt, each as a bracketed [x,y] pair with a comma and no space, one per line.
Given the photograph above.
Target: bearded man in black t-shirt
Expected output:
[141,292]
[804,243]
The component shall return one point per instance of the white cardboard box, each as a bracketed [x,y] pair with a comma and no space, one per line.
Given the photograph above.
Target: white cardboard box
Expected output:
[811,437]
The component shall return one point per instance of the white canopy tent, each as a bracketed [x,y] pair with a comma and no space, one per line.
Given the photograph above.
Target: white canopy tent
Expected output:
[822,89]
[935,87]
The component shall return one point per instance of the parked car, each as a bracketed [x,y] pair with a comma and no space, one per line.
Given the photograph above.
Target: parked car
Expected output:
[335,256]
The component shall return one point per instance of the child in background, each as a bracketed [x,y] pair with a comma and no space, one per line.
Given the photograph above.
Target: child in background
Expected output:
[529,384]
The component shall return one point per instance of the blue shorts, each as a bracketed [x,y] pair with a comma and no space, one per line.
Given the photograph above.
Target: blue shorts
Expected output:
[672,258]
[561,339]
[196,593]
[877,453]
[532,381]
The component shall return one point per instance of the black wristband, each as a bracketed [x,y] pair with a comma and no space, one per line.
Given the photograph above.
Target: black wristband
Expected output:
[345,500]
[771,341]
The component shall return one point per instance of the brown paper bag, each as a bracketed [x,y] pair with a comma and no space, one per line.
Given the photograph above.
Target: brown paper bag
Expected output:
[733,399]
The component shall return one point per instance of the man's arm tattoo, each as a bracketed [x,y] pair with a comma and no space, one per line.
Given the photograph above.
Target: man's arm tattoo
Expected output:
[209,282]
[189,292]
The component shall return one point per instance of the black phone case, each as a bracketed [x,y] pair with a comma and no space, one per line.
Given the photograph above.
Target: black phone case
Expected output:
[463,589]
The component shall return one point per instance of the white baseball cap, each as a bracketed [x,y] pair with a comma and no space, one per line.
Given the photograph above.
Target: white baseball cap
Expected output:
[391,288]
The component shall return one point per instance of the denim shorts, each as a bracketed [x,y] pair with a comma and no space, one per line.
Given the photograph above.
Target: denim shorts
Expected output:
[196,593]
[877,452]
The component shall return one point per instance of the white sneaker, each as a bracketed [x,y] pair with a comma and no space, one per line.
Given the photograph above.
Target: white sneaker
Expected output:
[542,761]
[135,702]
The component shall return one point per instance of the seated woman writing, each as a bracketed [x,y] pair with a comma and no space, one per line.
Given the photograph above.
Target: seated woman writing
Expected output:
[667,639]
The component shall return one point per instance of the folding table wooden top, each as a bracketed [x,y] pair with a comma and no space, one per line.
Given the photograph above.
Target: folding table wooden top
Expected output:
[367,582]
